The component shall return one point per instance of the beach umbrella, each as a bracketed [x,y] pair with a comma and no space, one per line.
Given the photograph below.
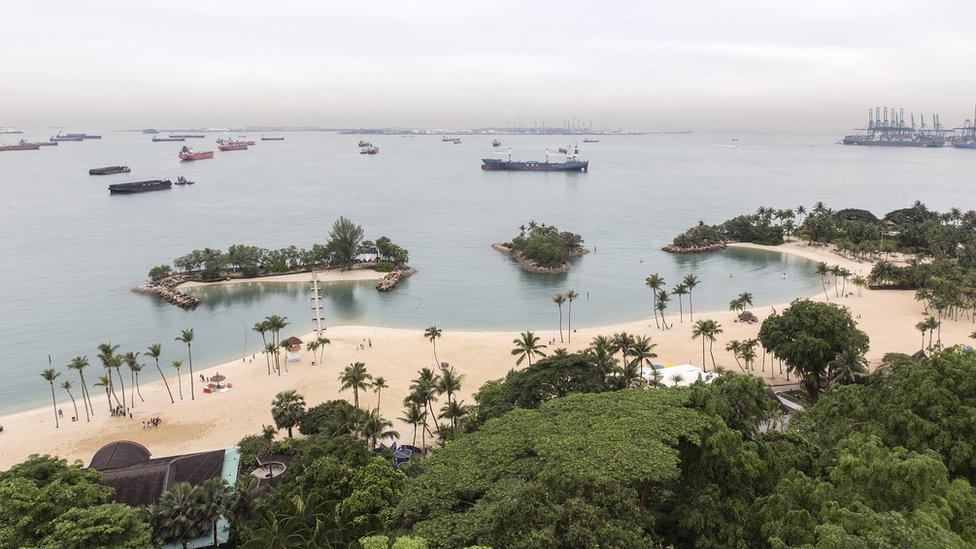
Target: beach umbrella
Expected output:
[218,378]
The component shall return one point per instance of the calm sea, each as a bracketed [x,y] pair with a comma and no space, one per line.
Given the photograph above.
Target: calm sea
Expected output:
[71,252]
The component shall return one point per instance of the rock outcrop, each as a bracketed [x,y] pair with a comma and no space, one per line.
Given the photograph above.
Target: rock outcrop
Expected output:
[166,289]
[533,267]
[672,249]
[389,282]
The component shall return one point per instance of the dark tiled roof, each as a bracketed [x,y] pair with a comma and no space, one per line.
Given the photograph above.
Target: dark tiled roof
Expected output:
[292,341]
[139,480]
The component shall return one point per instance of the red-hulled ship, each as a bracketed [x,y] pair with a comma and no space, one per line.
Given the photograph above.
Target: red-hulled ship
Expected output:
[22,146]
[187,155]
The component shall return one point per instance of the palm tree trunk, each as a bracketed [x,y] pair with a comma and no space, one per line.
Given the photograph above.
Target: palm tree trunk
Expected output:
[681,311]
[73,403]
[179,379]
[823,282]
[711,353]
[355,395]
[55,402]
[267,359]
[433,343]
[132,389]
[414,443]
[108,398]
[189,356]
[569,320]
[560,323]
[704,364]
[691,309]
[165,382]
[111,386]
[138,390]
[84,392]
[654,308]
[122,384]
[378,393]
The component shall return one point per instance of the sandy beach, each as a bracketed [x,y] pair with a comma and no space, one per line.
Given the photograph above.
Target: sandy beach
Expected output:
[220,420]
[325,277]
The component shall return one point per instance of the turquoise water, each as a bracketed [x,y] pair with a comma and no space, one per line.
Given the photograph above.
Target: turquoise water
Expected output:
[71,252]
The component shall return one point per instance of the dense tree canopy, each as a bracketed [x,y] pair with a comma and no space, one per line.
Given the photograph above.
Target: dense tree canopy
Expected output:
[545,245]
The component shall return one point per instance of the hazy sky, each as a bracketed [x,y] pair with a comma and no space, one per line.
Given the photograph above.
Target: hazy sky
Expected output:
[780,65]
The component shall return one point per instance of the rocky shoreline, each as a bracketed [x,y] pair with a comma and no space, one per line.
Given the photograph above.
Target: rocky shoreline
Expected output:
[389,282]
[531,266]
[672,249]
[166,289]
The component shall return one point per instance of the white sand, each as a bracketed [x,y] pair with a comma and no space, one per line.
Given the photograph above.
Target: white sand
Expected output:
[218,421]
[325,277]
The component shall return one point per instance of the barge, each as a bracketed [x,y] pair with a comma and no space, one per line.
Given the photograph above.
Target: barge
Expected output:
[140,186]
[109,170]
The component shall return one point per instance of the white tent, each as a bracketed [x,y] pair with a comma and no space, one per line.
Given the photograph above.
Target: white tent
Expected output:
[681,375]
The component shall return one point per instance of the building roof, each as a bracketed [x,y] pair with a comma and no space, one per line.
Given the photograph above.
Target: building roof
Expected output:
[139,479]
[292,341]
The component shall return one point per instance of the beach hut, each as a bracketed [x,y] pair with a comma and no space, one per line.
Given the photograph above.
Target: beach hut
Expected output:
[294,346]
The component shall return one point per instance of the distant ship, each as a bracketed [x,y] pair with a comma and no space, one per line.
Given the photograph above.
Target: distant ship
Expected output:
[496,143]
[187,155]
[364,143]
[171,138]
[591,140]
[571,164]
[182,181]
[232,146]
[61,136]
[372,149]
[109,170]
[188,135]
[916,141]
[9,131]
[263,138]
[451,139]
[140,186]
[22,146]
[964,145]
[223,141]
[90,136]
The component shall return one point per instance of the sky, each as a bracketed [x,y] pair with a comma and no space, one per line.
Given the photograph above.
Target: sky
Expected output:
[751,65]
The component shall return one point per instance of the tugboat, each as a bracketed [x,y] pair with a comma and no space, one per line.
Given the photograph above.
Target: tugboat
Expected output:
[140,186]
[372,149]
[109,170]
[496,143]
[186,155]
[165,139]
[571,164]
[182,181]
[22,146]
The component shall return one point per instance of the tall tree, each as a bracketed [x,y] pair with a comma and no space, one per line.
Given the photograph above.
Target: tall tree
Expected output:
[679,290]
[79,363]
[186,336]
[155,351]
[105,383]
[414,415]
[571,296]
[344,240]
[356,378]
[662,305]
[823,270]
[706,330]
[106,352]
[49,375]
[287,410]
[559,299]
[433,334]
[527,346]
[177,364]
[643,352]
[376,427]
[690,282]
[131,360]
[262,328]
[655,282]
[378,385]
[450,382]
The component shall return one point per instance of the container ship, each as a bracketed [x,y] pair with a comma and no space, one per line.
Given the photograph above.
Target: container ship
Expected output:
[109,170]
[22,146]
[187,155]
[140,186]
[572,163]
[234,142]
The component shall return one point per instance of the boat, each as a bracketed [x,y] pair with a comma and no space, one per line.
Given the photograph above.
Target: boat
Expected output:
[140,186]
[109,170]
[9,131]
[451,139]
[223,141]
[263,138]
[915,141]
[591,140]
[572,163]
[364,143]
[496,143]
[372,149]
[163,139]
[47,143]
[233,146]
[22,146]
[61,136]
[90,136]
[188,135]
[187,155]
[182,181]
[964,145]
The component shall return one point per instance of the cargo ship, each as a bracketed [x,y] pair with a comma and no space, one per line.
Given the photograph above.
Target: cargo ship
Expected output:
[188,136]
[364,143]
[182,181]
[233,146]
[140,186]
[572,163]
[61,136]
[451,139]
[22,146]
[109,170]
[234,142]
[164,139]
[187,155]
[263,138]
[591,140]
[90,136]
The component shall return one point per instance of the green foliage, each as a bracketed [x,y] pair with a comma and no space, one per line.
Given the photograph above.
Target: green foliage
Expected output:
[758,228]
[160,271]
[35,494]
[392,253]
[107,525]
[545,246]
[344,240]
[808,335]
[287,409]
[332,418]
[384,542]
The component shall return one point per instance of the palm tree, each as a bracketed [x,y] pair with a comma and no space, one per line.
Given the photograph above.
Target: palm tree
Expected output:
[923,327]
[680,290]
[275,324]
[155,351]
[622,342]
[433,334]
[643,351]
[215,496]
[186,336]
[527,346]
[453,411]
[450,382]
[654,282]
[115,361]
[748,353]
[355,377]
[423,391]
[415,416]
[848,367]
[317,348]
[287,409]
[823,270]
[734,347]
[662,305]
[272,349]
[378,385]
[376,427]
[66,385]
[79,363]
[177,514]
[105,353]
[570,296]
[745,299]
[859,282]
[49,375]
[132,361]
[707,330]
[104,381]
[177,364]
[262,328]
[690,282]
[559,299]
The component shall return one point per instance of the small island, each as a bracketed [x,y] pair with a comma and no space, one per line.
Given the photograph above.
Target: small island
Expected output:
[767,226]
[345,250]
[543,249]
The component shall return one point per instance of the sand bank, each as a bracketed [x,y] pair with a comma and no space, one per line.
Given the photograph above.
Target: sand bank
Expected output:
[218,421]
[332,275]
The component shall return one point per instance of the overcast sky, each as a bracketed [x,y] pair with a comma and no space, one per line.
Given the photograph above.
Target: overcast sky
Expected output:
[761,65]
